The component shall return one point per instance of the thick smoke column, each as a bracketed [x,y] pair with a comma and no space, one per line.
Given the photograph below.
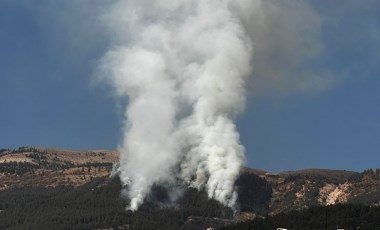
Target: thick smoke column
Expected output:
[183,65]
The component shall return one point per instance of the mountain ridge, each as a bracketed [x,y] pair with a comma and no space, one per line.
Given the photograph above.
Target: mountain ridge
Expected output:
[257,171]
[261,191]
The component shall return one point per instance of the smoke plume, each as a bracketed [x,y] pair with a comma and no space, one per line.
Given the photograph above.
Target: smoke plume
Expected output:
[183,65]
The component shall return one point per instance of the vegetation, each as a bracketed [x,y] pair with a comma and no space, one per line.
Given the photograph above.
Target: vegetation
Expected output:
[348,216]
[318,179]
[369,173]
[254,193]
[98,206]
[17,168]
[92,206]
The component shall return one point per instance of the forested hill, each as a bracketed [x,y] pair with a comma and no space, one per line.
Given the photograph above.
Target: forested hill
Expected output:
[45,188]
[60,189]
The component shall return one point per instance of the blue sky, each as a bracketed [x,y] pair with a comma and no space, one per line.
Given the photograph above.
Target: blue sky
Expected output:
[49,51]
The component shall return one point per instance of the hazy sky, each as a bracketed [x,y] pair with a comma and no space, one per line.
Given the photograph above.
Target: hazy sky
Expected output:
[304,110]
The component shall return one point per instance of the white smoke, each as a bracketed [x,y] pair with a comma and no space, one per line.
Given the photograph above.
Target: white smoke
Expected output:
[184,66]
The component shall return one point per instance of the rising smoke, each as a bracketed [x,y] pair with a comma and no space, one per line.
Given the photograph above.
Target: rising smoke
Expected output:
[184,66]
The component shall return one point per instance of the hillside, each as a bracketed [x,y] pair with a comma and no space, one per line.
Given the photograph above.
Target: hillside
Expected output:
[332,217]
[43,176]
[49,167]
[296,190]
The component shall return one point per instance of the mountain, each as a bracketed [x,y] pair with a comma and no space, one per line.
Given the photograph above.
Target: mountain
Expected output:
[66,189]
